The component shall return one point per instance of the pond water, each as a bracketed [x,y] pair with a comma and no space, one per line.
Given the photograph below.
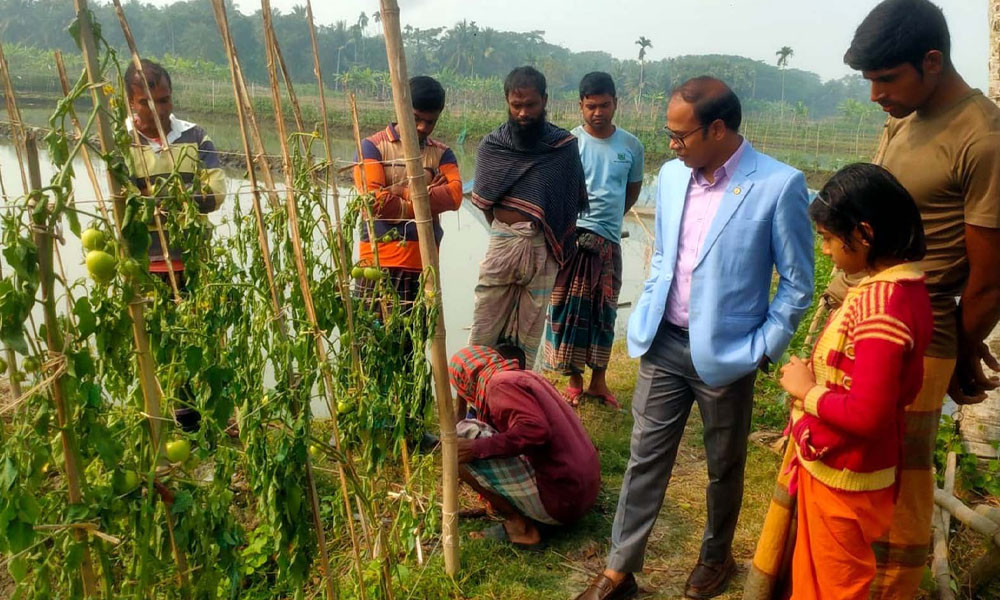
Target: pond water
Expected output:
[463,247]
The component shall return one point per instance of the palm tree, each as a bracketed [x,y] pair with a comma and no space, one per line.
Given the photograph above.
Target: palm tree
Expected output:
[377,17]
[783,55]
[643,43]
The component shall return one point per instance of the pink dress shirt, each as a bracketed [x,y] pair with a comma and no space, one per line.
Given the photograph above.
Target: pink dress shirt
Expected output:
[700,205]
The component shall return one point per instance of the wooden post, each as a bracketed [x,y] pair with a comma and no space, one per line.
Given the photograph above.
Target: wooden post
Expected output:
[56,345]
[429,256]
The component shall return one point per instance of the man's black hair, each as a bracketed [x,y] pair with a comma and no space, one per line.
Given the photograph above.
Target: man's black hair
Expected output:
[713,100]
[866,193]
[426,93]
[897,32]
[512,352]
[523,78]
[154,72]
[597,83]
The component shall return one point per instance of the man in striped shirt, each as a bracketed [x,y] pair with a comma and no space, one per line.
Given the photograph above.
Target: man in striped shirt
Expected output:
[382,171]
[193,157]
[192,154]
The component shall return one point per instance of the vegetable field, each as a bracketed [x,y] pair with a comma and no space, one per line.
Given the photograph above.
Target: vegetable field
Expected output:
[103,493]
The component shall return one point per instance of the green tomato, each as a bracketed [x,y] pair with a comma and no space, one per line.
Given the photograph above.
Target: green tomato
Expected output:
[17,377]
[125,481]
[344,407]
[219,251]
[93,239]
[131,269]
[30,364]
[357,272]
[372,274]
[314,451]
[101,266]
[178,450]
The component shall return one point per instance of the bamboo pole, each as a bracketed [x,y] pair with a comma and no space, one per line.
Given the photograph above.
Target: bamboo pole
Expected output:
[12,373]
[291,209]
[151,392]
[429,257]
[939,565]
[164,142]
[978,523]
[56,342]
[220,16]
[147,372]
[270,44]
[336,233]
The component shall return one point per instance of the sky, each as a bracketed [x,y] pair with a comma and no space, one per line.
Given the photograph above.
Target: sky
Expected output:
[819,31]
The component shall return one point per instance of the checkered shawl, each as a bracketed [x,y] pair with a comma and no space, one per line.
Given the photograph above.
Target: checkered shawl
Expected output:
[471,369]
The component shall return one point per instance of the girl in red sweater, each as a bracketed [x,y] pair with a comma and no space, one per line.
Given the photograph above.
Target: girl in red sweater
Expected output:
[848,399]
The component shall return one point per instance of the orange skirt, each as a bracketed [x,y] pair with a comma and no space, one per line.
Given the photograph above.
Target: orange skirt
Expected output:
[833,558]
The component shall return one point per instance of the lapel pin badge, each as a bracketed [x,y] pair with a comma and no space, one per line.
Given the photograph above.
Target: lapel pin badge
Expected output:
[737,190]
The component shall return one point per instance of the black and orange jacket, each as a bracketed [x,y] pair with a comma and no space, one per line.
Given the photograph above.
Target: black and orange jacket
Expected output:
[384,167]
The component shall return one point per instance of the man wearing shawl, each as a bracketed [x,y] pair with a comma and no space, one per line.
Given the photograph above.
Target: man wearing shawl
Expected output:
[526,452]
[530,184]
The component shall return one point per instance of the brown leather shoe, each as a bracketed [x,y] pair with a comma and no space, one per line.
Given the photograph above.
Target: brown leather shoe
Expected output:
[602,588]
[709,580]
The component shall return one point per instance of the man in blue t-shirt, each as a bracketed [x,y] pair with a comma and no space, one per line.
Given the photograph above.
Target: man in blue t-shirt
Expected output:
[584,304]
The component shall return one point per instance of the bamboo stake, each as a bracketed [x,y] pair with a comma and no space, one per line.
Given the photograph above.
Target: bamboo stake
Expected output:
[16,126]
[369,221]
[328,577]
[302,271]
[976,522]
[56,343]
[939,565]
[220,16]
[343,277]
[152,394]
[150,386]
[164,142]
[84,151]
[12,373]
[429,256]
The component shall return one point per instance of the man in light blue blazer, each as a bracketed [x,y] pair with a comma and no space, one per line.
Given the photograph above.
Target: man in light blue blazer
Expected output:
[727,217]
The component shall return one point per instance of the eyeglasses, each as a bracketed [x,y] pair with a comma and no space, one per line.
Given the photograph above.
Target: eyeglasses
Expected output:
[680,137]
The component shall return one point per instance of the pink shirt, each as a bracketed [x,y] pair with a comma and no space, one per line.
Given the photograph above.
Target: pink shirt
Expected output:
[700,205]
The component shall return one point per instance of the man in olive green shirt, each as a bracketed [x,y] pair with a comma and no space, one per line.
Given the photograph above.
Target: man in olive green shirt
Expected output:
[942,141]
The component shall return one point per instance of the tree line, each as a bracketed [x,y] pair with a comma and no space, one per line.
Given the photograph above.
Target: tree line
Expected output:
[353,53]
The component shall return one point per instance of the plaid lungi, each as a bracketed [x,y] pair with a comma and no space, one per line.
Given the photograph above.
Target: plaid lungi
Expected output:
[511,477]
[512,296]
[584,305]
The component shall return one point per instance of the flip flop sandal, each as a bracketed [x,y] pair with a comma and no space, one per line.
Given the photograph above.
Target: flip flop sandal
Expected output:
[498,533]
[572,396]
[609,399]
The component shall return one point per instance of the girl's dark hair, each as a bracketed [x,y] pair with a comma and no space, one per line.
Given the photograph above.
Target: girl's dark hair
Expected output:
[867,193]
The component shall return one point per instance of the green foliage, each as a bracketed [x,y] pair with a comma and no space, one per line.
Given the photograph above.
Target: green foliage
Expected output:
[240,512]
[972,473]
